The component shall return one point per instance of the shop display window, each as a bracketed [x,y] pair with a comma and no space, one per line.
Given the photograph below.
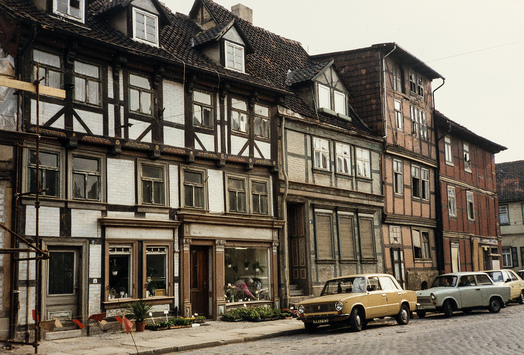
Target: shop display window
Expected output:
[247,274]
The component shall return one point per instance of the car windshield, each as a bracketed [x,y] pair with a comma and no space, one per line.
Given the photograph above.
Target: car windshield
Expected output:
[346,285]
[445,281]
[496,276]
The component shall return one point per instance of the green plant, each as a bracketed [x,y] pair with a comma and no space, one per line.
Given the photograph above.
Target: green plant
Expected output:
[257,267]
[139,309]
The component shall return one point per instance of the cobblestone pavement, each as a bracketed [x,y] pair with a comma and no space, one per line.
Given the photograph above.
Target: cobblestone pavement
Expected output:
[480,332]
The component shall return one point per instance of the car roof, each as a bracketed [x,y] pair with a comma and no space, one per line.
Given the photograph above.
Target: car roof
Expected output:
[359,275]
[462,273]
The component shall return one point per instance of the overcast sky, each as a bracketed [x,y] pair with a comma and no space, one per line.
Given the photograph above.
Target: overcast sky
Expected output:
[477,45]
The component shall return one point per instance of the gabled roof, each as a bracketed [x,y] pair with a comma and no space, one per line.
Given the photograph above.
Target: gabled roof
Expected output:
[112,6]
[307,73]
[216,33]
[453,128]
[510,181]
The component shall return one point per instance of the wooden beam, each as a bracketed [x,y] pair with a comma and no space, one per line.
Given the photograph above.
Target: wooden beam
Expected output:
[25,86]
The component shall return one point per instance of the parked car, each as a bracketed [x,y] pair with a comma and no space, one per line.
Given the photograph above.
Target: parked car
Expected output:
[521,274]
[463,291]
[356,299]
[510,278]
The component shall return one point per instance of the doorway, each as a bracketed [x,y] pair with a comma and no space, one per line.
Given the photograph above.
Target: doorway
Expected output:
[297,246]
[397,261]
[200,283]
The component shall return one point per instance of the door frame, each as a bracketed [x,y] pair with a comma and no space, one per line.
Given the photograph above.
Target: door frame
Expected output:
[212,277]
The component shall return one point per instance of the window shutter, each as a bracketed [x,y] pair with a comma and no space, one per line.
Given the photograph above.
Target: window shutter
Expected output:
[366,239]
[416,239]
[514,257]
[324,239]
[347,246]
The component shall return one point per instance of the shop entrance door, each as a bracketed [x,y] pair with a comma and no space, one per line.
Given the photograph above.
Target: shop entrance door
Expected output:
[200,287]
[297,247]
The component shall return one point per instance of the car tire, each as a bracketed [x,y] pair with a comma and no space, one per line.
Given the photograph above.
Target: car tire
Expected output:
[520,300]
[403,316]
[311,328]
[447,308]
[421,314]
[355,320]
[494,305]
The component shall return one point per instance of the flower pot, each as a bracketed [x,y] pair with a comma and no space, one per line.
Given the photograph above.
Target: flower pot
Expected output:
[140,326]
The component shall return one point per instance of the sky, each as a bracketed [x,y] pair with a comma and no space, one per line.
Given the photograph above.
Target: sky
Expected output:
[476,45]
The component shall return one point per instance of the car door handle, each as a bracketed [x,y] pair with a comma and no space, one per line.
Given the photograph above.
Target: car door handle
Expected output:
[477,289]
[383,295]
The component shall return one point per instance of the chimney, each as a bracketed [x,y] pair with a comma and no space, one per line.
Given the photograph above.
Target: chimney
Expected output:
[244,12]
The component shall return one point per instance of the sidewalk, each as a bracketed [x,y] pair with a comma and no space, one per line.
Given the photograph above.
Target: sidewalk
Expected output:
[212,333]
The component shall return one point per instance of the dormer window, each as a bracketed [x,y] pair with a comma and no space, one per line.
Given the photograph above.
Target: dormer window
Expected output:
[331,99]
[73,9]
[145,27]
[234,56]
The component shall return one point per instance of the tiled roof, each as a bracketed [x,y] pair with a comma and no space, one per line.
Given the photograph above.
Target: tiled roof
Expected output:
[305,74]
[212,34]
[510,181]
[112,5]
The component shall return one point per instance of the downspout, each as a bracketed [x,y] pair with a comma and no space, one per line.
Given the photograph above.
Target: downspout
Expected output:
[385,91]
[285,249]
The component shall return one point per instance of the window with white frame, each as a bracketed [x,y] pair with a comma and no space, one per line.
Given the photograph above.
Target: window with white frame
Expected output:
[503,214]
[419,123]
[202,109]
[49,172]
[194,188]
[424,188]
[261,121]
[448,151]
[236,190]
[120,271]
[321,158]
[420,244]
[331,99]
[470,205]
[260,197]
[423,125]
[145,27]
[324,96]
[467,158]
[49,69]
[239,115]
[339,102]
[156,270]
[416,184]
[416,84]
[398,177]
[399,118]
[343,152]
[395,235]
[234,56]
[86,178]
[506,257]
[87,83]
[398,74]
[140,95]
[73,9]
[452,202]
[153,184]
[363,162]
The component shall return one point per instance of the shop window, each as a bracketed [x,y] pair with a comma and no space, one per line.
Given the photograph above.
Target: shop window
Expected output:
[73,9]
[49,172]
[86,178]
[145,27]
[120,272]
[261,121]
[193,188]
[140,95]
[49,69]
[259,197]
[343,152]
[321,158]
[157,271]
[153,184]
[239,115]
[87,83]
[236,189]
[250,267]
[202,109]
[363,162]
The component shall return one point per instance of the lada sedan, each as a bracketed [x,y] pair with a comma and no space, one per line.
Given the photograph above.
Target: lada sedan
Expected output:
[462,291]
[510,278]
[354,300]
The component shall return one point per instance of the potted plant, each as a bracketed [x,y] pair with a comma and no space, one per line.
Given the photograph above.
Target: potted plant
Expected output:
[140,310]
[246,265]
[257,267]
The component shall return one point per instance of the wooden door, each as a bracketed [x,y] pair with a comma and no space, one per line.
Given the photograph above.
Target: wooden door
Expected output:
[200,287]
[297,246]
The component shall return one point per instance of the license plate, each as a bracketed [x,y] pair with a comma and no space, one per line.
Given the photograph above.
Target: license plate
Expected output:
[320,321]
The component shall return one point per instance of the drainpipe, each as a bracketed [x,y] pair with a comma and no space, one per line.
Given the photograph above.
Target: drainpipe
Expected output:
[384,88]
[284,244]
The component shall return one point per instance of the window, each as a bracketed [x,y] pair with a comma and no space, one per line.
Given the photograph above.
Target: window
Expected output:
[398,75]
[86,178]
[395,235]
[259,197]
[455,257]
[399,118]
[234,56]
[321,158]
[416,84]
[367,238]
[420,244]
[343,152]
[87,83]
[470,206]
[339,102]
[73,9]
[324,96]
[363,162]
[193,189]
[49,69]
[157,271]
[425,184]
[423,126]
[506,257]
[419,123]
[346,237]
[239,115]
[448,150]
[49,175]
[503,215]
[145,27]
[140,95]
[236,189]
[120,275]
[452,202]
[153,184]
[261,121]
[62,273]
[415,181]
[332,99]
[324,235]
[522,257]
[398,177]
[202,110]
[467,158]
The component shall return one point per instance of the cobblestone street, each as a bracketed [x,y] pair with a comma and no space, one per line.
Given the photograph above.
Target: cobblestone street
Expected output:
[480,332]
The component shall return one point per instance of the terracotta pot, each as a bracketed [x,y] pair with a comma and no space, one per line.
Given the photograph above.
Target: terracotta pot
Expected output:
[140,326]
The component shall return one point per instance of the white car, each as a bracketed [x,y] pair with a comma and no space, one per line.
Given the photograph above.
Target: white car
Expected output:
[462,291]
[510,278]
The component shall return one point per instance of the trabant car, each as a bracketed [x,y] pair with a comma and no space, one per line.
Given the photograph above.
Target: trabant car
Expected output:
[462,291]
[510,278]
[356,299]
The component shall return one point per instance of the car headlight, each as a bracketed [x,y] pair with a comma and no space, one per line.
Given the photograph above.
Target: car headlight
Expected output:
[433,297]
[338,306]
[300,309]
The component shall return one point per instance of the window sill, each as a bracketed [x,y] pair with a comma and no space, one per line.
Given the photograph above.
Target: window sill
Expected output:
[321,171]
[325,261]
[123,302]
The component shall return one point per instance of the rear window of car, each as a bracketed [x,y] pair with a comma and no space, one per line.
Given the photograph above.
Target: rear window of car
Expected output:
[483,280]
[387,284]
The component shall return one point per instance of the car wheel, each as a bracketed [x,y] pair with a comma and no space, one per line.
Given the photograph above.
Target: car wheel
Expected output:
[355,320]
[311,328]
[403,316]
[520,300]
[421,314]
[447,308]
[494,305]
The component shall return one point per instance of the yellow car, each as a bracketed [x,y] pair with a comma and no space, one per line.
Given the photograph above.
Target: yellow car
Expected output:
[510,278]
[356,299]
